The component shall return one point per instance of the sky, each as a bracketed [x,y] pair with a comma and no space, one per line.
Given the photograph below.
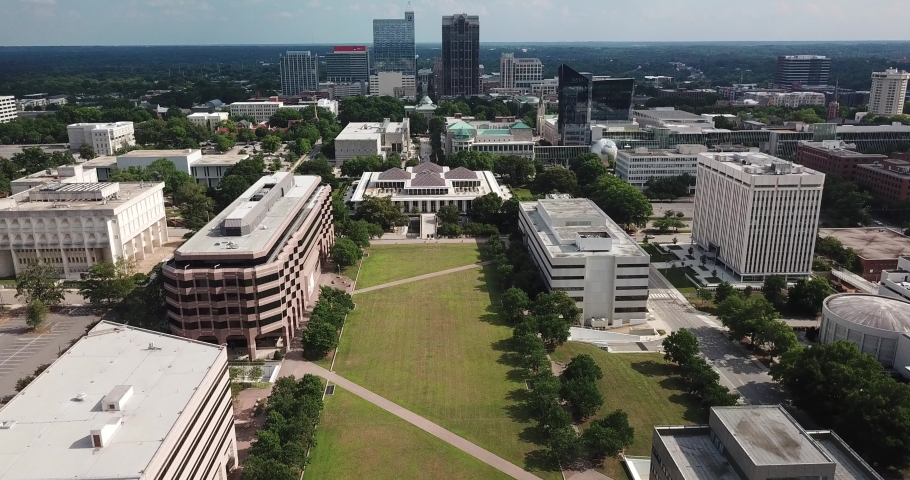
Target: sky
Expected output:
[192,22]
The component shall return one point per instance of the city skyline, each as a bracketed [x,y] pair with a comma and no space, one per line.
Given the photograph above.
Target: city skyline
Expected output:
[202,22]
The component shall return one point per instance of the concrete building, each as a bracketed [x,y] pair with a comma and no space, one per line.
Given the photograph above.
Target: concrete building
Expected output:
[888,180]
[62,174]
[878,249]
[695,93]
[425,107]
[877,325]
[394,47]
[756,215]
[834,157]
[261,111]
[895,282]
[788,100]
[758,442]
[348,64]
[338,91]
[208,170]
[669,116]
[581,251]
[105,138]
[889,91]
[460,56]
[249,276]
[360,139]
[124,403]
[393,84]
[638,166]
[299,72]
[802,70]
[512,137]
[7,108]
[519,73]
[208,120]
[547,88]
[427,187]
[73,226]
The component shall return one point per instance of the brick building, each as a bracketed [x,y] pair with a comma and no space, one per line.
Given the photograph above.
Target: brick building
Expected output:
[834,157]
[888,180]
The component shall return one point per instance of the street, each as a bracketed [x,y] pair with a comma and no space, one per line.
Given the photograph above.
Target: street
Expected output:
[737,370]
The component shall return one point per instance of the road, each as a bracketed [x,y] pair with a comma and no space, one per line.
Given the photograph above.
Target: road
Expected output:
[736,368]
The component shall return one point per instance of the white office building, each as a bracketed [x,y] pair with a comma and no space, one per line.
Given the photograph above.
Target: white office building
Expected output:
[7,109]
[105,138]
[519,73]
[76,225]
[756,215]
[299,73]
[581,251]
[393,84]
[669,116]
[513,137]
[889,90]
[788,100]
[638,166]
[124,403]
[62,174]
[208,120]
[261,111]
[208,170]
[361,139]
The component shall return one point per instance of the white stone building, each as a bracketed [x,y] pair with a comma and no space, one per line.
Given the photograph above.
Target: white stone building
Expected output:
[638,166]
[261,111]
[208,120]
[105,138]
[499,138]
[62,174]
[74,226]
[889,90]
[756,215]
[7,109]
[124,403]
[581,251]
[788,100]
[519,72]
[360,139]
[208,170]
[393,84]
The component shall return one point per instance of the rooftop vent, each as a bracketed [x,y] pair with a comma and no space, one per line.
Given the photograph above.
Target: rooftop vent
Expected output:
[80,397]
[153,347]
[7,424]
[117,398]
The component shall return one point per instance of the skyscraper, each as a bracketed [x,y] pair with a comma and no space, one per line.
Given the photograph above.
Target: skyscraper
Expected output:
[611,99]
[348,64]
[519,72]
[804,70]
[461,55]
[394,49]
[574,109]
[889,88]
[299,73]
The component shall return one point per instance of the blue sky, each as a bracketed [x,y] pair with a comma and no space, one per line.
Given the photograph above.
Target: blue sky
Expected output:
[163,22]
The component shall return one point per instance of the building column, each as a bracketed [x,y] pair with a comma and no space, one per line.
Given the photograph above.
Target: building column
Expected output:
[162,231]
[66,263]
[251,344]
[16,268]
[147,240]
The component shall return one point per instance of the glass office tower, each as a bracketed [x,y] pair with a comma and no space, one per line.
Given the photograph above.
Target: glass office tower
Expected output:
[394,49]
[575,93]
[299,73]
[611,99]
[460,56]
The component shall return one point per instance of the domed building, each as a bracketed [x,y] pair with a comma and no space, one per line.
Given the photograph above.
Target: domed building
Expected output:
[879,326]
[425,107]
[606,149]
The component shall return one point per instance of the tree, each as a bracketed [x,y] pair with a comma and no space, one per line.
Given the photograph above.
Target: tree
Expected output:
[255,373]
[680,346]
[36,314]
[556,180]
[724,290]
[320,167]
[557,303]
[108,283]
[705,295]
[608,436]
[515,303]
[516,170]
[485,209]
[224,142]
[582,397]
[779,336]
[246,135]
[449,230]
[418,123]
[554,331]
[271,143]
[565,444]
[319,339]
[807,296]
[258,468]
[358,231]
[620,201]
[746,317]
[582,367]
[472,160]
[448,214]
[38,282]
[164,170]
[381,211]
[588,167]
[773,288]
[355,167]
[345,252]
[282,116]
[87,152]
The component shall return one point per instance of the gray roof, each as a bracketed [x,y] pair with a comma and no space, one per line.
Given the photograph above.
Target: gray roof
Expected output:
[461,173]
[872,311]
[427,167]
[428,179]
[769,436]
[394,174]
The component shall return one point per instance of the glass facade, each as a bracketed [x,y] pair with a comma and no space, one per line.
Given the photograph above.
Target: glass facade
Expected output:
[612,99]
[460,56]
[299,73]
[394,49]
[348,64]
[574,107]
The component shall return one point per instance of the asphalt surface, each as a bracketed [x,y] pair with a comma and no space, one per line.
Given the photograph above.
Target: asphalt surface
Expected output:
[737,369]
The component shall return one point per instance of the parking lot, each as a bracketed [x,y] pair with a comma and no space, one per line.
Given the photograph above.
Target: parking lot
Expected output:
[22,351]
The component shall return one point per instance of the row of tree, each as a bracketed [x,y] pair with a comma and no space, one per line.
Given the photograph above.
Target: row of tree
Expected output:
[681,348]
[756,319]
[327,318]
[804,297]
[669,188]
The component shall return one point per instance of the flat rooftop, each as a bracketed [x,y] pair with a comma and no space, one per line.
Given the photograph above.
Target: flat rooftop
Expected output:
[870,243]
[129,193]
[553,238]
[368,130]
[757,164]
[669,115]
[51,436]
[770,436]
[220,159]
[842,152]
[158,153]
[100,162]
[695,454]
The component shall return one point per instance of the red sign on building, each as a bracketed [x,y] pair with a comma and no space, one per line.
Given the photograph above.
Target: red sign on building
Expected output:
[345,48]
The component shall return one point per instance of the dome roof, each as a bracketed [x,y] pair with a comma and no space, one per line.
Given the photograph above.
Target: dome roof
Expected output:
[426,101]
[871,311]
[604,147]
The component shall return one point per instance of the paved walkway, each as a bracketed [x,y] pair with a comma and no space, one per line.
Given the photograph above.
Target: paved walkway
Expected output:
[299,368]
[422,277]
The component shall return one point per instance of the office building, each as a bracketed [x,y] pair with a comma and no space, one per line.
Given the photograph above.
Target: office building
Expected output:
[105,138]
[73,226]
[878,249]
[834,157]
[206,120]
[694,93]
[261,111]
[361,139]
[427,187]
[299,72]
[581,251]
[788,100]
[519,73]
[460,56]
[877,325]
[888,180]
[889,92]
[758,442]
[509,137]
[611,99]
[638,166]
[802,70]
[347,64]
[62,174]
[670,117]
[393,84]
[248,277]
[339,91]
[756,215]
[124,403]
[7,109]
[208,170]
[394,47]
[574,108]
[546,89]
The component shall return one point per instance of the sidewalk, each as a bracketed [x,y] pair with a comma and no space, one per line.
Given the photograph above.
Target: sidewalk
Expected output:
[422,277]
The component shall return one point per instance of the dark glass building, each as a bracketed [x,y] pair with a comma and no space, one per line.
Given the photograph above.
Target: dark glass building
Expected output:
[574,109]
[460,56]
[394,49]
[347,64]
[802,70]
[611,100]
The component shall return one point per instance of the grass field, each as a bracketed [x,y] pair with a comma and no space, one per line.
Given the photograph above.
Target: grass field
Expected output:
[656,255]
[439,349]
[643,385]
[358,440]
[388,263]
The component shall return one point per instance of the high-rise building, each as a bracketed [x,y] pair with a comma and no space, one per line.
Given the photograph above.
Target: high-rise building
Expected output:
[105,138]
[611,99]
[394,49]
[393,84]
[519,72]
[802,70]
[7,108]
[460,55]
[299,73]
[347,64]
[756,215]
[574,108]
[889,89]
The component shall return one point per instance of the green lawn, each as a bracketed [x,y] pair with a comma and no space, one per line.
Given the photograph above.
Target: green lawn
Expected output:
[656,255]
[358,440]
[643,385]
[523,194]
[677,277]
[438,348]
[388,263]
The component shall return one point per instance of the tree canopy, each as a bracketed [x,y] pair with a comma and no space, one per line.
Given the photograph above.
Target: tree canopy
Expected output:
[620,201]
